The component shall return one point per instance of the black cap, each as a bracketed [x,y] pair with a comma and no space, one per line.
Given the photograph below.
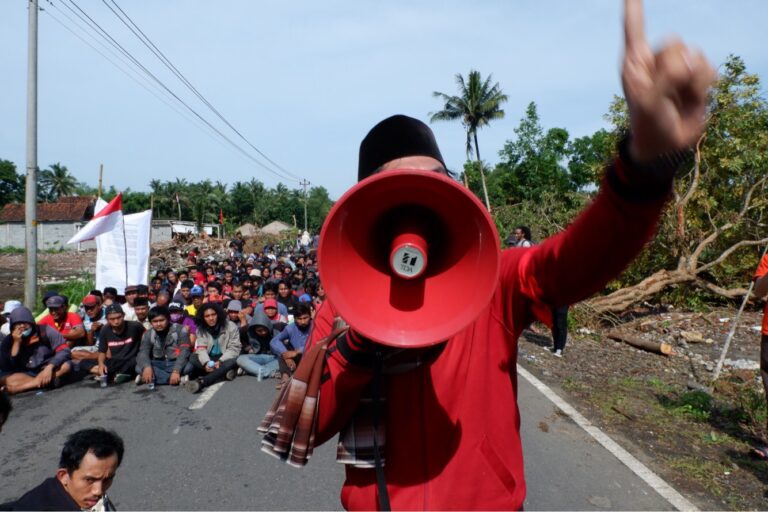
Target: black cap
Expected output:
[114,308]
[395,137]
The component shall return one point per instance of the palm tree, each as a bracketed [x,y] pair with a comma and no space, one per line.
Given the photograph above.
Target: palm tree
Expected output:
[57,181]
[477,104]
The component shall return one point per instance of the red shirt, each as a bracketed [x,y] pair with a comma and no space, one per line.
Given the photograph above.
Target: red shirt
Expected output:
[452,425]
[72,320]
[762,269]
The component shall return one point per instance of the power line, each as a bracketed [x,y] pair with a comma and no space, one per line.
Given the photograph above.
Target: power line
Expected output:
[133,27]
[125,70]
[104,34]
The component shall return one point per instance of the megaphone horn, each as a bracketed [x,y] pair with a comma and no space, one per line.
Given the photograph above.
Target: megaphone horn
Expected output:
[399,249]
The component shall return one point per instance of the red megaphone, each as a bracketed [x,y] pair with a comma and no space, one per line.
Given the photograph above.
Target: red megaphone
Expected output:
[409,257]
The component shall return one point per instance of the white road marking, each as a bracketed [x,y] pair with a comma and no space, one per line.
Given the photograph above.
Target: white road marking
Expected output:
[206,395]
[637,467]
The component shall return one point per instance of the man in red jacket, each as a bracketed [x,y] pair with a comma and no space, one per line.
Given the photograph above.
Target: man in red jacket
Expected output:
[450,424]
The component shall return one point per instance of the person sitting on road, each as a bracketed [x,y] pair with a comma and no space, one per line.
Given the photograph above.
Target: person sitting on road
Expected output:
[131,292]
[257,358]
[163,297]
[8,307]
[93,321]
[179,316]
[141,308]
[33,356]
[286,297]
[183,293]
[288,345]
[164,350]
[119,343]
[68,324]
[271,310]
[87,467]
[109,295]
[197,296]
[216,349]
[269,291]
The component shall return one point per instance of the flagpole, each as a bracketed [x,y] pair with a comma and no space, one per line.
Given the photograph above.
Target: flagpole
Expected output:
[125,249]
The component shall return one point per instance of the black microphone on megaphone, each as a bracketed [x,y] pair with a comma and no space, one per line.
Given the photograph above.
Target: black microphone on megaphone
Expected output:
[409,257]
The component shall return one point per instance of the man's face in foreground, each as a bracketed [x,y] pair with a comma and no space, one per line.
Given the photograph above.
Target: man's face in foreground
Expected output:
[88,483]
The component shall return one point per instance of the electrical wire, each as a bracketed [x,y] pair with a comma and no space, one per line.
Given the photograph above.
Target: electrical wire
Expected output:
[88,20]
[134,28]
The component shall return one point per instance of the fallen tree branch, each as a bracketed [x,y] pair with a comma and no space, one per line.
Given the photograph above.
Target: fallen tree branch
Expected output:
[637,342]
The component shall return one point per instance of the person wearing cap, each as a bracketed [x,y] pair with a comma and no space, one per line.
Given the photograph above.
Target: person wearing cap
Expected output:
[32,356]
[119,343]
[179,316]
[236,314]
[270,308]
[449,412]
[269,291]
[141,308]
[69,324]
[131,292]
[164,350]
[93,321]
[8,307]
[196,295]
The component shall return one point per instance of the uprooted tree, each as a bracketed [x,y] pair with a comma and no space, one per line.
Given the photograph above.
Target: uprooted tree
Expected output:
[711,234]
[713,231]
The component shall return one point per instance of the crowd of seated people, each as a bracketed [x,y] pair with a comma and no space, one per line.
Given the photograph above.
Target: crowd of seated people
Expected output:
[210,322]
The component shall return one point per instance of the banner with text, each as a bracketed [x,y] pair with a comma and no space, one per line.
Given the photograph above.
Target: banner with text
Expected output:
[122,255]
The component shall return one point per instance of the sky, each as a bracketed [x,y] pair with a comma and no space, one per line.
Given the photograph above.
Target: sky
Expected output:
[303,81]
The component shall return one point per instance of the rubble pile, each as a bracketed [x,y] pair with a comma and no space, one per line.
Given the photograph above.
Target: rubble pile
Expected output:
[173,253]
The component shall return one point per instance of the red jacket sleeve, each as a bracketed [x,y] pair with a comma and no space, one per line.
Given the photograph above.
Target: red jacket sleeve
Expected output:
[594,249]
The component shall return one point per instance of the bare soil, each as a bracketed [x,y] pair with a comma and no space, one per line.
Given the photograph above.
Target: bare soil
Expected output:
[661,407]
[52,267]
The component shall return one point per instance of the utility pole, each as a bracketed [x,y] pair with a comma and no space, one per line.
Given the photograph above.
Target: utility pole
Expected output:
[101,177]
[305,183]
[30,213]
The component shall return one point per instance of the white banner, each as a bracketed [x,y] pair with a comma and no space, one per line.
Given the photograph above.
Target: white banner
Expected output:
[122,255]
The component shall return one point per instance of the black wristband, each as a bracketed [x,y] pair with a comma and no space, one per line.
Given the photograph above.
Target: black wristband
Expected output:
[647,181]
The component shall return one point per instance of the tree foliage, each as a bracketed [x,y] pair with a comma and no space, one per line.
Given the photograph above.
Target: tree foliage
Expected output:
[200,202]
[477,104]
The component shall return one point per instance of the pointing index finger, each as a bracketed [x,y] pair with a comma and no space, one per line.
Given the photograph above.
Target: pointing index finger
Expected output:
[634,26]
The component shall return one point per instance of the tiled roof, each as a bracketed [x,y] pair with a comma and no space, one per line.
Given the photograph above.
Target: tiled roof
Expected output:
[66,209]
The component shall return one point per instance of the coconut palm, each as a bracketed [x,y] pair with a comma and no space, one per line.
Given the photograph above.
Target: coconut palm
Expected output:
[477,104]
[57,182]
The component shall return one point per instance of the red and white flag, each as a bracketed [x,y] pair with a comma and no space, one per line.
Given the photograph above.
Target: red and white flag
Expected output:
[104,221]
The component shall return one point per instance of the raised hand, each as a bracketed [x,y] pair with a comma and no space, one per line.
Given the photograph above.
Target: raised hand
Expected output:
[666,92]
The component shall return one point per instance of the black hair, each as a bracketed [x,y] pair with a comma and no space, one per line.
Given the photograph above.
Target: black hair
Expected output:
[221,318]
[526,232]
[96,293]
[187,283]
[140,301]
[269,286]
[302,308]
[101,442]
[156,311]
[310,287]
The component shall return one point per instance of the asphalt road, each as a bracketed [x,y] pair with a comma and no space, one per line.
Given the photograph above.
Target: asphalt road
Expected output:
[209,458]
